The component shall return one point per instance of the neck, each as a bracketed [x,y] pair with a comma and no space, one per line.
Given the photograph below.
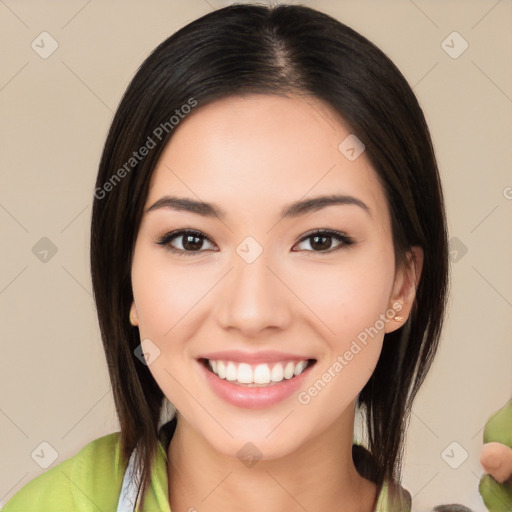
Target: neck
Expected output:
[319,475]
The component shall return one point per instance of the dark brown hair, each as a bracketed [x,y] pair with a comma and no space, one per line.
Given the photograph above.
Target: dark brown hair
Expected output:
[284,50]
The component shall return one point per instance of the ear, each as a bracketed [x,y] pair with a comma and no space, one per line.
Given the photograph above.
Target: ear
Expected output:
[134,318]
[404,288]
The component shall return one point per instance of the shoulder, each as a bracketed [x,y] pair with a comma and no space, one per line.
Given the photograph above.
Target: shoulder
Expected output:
[91,479]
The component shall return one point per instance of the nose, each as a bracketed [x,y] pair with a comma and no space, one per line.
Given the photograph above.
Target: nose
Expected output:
[253,298]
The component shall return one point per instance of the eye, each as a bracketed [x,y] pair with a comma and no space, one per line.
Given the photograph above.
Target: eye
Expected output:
[190,241]
[320,240]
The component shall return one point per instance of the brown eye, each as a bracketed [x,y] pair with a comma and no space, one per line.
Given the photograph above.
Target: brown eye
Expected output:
[188,241]
[321,241]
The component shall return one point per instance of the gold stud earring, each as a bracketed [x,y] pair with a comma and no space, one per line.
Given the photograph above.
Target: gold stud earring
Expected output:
[397,306]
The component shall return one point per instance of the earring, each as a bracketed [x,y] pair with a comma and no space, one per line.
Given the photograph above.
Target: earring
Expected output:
[397,306]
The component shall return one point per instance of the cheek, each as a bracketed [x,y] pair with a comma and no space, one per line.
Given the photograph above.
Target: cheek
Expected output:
[347,297]
[165,294]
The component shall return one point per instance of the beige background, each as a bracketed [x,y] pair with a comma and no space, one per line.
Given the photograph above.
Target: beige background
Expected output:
[55,114]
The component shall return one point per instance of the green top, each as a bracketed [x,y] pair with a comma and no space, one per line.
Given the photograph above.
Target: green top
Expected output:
[92,480]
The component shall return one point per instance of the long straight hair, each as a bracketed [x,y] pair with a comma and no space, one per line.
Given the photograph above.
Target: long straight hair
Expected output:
[282,50]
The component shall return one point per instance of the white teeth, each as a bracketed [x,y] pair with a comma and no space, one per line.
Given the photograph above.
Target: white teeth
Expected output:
[221,369]
[244,375]
[277,373]
[261,374]
[231,371]
[289,370]
[299,368]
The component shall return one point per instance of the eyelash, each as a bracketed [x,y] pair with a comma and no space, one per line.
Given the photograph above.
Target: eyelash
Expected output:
[165,241]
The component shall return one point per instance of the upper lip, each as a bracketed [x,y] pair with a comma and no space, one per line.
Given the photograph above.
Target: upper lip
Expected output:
[265,356]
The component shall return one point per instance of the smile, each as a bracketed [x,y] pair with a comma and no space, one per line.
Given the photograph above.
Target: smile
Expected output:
[257,385]
[252,375]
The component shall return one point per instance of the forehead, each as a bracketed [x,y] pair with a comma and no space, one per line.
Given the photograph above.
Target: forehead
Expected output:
[244,152]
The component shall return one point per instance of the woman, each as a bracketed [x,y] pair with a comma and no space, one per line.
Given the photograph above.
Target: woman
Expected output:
[269,255]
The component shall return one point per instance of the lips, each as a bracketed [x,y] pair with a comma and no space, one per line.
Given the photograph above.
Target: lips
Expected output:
[254,380]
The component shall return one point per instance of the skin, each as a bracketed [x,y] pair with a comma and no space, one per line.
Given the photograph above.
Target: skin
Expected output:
[496,459]
[251,156]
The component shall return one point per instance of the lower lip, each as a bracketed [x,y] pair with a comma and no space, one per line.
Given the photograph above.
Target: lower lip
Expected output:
[253,397]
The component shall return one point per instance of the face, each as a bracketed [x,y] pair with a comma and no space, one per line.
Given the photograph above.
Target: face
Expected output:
[259,287]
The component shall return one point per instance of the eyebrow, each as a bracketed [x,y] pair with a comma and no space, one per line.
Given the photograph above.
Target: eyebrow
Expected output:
[294,209]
